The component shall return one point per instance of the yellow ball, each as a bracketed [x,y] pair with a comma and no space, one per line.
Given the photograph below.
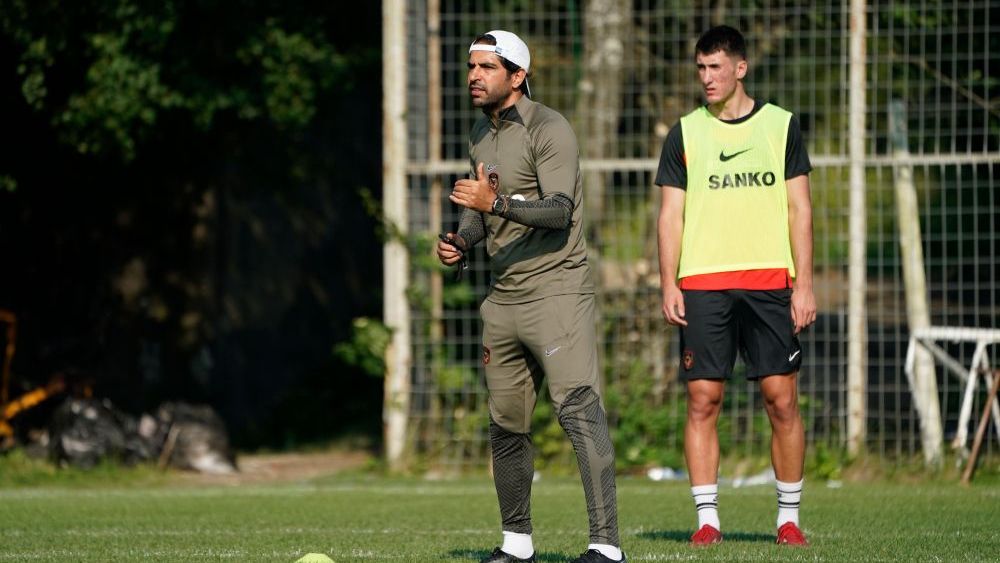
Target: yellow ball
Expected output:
[315,558]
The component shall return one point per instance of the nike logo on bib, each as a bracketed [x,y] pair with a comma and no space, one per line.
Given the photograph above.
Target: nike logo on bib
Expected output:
[792,357]
[725,157]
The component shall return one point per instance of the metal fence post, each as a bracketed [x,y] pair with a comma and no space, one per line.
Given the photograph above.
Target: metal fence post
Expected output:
[396,309]
[857,349]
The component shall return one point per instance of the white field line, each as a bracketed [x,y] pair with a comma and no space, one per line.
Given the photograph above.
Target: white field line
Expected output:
[542,488]
[151,554]
[335,531]
[340,532]
[432,490]
[369,555]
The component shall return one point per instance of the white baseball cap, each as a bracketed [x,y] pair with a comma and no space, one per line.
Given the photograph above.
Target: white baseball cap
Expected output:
[510,47]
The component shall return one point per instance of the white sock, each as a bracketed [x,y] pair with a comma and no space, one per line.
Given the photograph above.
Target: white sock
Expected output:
[706,500]
[789,495]
[518,545]
[609,551]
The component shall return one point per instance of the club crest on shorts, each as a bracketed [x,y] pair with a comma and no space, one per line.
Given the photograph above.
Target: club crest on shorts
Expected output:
[486,356]
[688,359]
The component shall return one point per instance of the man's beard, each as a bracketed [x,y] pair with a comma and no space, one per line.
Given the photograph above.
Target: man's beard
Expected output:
[491,101]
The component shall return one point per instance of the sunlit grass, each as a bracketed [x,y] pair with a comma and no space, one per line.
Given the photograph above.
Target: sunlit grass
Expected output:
[364,517]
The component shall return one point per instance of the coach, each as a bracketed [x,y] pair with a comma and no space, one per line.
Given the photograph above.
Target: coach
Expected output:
[538,319]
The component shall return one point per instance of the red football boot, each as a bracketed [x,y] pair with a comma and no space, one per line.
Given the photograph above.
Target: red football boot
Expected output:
[790,534]
[706,535]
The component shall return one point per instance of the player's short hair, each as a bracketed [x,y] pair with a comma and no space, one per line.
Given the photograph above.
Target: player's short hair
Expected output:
[722,38]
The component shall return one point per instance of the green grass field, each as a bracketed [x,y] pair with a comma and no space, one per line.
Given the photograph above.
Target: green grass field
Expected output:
[359,518]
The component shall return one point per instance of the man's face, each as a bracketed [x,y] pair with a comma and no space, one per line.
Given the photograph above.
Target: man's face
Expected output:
[719,74]
[489,82]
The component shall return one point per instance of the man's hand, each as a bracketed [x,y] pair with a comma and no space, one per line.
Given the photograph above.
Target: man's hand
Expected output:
[673,305]
[803,307]
[446,251]
[474,194]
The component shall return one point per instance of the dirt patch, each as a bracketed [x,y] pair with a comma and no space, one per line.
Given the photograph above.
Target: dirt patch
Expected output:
[283,467]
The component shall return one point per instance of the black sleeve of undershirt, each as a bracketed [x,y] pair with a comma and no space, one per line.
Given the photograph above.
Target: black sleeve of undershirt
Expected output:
[471,227]
[672,170]
[796,158]
[550,212]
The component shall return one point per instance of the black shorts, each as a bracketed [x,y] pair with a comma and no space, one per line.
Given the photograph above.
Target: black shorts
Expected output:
[758,323]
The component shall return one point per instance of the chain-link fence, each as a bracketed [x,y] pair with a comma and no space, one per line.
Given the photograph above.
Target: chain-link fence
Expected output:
[622,72]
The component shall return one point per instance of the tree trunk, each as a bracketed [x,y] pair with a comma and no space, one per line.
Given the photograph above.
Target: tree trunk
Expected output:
[606,24]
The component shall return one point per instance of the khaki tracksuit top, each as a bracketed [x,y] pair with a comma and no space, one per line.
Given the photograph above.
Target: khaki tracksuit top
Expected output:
[531,153]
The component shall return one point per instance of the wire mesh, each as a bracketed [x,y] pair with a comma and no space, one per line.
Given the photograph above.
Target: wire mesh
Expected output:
[623,73]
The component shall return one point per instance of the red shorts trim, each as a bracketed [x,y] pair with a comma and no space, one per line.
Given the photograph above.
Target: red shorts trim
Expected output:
[772,278]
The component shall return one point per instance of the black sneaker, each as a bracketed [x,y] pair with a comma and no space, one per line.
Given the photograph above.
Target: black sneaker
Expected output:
[594,556]
[501,556]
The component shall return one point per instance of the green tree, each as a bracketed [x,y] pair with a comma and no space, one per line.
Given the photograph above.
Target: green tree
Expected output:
[182,203]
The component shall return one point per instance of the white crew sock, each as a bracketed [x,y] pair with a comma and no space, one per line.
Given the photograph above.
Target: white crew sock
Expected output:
[609,551]
[706,500]
[518,545]
[789,495]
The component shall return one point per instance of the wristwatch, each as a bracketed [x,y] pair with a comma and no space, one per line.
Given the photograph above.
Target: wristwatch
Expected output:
[498,205]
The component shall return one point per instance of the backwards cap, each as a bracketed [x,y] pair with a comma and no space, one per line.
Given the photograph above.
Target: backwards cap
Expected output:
[510,47]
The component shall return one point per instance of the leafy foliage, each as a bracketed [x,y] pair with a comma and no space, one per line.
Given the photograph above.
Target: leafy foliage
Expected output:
[182,204]
[108,74]
[367,346]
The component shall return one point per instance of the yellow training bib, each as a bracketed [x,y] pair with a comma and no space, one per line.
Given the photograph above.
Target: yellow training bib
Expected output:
[736,205]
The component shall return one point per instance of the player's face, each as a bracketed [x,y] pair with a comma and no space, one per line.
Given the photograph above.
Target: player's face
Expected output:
[489,82]
[720,75]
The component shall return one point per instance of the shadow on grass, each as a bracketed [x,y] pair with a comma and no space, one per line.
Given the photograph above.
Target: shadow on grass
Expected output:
[684,536]
[478,554]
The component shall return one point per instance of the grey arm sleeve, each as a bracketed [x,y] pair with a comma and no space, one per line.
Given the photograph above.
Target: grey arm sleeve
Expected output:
[557,166]
[553,212]
[471,228]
